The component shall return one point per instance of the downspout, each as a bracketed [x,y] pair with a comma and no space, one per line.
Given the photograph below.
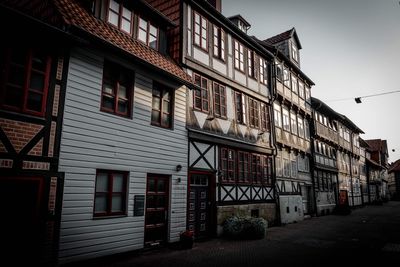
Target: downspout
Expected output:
[272,82]
[312,165]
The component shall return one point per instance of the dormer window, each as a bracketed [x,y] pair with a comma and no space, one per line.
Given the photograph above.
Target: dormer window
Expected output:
[148,33]
[120,16]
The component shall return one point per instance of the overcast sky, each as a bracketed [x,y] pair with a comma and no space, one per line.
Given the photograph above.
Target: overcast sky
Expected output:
[351,48]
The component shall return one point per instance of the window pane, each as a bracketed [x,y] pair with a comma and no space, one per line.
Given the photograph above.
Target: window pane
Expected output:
[126,25]
[126,13]
[16,75]
[155,116]
[166,120]
[142,35]
[123,106]
[34,101]
[156,103]
[118,182]
[122,92]
[153,31]
[117,205]
[153,42]
[13,96]
[151,185]
[102,182]
[37,81]
[100,204]
[113,18]
[39,62]
[108,102]
[166,107]
[108,88]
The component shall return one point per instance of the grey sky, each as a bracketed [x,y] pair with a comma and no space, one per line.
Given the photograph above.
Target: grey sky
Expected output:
[350,48]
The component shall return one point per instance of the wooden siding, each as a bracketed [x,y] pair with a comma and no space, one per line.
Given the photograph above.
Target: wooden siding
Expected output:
[92,140]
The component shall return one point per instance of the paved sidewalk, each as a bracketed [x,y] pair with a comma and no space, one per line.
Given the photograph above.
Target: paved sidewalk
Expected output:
[368,235]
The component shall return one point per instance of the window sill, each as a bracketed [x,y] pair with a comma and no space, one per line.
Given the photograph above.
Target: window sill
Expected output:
[102,217]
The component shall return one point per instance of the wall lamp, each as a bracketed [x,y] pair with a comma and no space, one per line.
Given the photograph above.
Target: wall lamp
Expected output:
[178,167]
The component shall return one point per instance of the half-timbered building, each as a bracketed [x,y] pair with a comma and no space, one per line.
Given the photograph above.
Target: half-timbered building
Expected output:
[348,156]
[33,67]
[325,138]
[121,103]
[228,115]
[292,116]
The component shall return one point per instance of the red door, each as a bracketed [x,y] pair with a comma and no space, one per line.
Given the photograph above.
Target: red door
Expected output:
[200,205]
[156,220]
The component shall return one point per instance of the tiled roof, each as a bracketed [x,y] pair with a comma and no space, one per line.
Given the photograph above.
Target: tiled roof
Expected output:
[280,37]
[395,166]
[374,144]
[284,36]
[72,13]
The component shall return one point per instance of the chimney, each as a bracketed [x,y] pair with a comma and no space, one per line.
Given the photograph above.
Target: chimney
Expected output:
[216,4]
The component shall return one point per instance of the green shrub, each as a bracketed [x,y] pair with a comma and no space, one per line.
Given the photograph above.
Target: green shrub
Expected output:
[245,227]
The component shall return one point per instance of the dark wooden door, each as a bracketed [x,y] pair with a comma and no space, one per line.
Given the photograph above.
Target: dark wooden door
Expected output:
[199,205]
[22,223]
[156,220]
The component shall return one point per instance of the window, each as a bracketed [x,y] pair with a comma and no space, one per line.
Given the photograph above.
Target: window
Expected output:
[117,90]
[264,117]
[111,192]
[293,123]
[286,78]
[253,113]
[228,165]
[240,108]
[256,168]
[294,168]
[286,125]
[266,170]
[300,126]
[308,95]
[278,166]
[295,55]
[148,33]
[263,71]
[278,69]
[306,129]
[219,100]
[244,166]
[286,167]
[294,85]
[251,64]
[200,31]
[301,90]
[219,43]
[239,56]
[120,16]
[162,106]
[201,95]
[277,115]
[24,84]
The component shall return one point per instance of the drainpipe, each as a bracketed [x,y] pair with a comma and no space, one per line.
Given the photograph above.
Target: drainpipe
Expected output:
[273,92]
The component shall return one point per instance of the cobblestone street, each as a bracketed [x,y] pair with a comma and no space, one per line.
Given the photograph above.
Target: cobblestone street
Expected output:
[368,235]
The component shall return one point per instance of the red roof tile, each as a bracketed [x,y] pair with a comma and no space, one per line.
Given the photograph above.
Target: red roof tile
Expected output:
[280,37]
[71,12]
[395,166]
[375,144]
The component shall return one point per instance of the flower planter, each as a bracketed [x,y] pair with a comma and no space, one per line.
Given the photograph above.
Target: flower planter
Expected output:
[186,239]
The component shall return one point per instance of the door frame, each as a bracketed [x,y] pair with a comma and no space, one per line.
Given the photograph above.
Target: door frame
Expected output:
[168,202]
[212,198]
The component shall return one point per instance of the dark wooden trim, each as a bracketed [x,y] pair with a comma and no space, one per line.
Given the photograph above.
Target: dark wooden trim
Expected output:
[22,117]
[7,144]
[33,141]
[220,140]
[61,104]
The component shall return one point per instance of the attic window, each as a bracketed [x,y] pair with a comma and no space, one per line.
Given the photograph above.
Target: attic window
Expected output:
[120,16]
[295,53]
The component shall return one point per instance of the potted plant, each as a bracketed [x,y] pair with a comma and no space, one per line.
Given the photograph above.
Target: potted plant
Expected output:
[186,239]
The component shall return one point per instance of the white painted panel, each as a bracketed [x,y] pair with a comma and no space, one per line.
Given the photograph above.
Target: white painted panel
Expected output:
[240,77]
[93,140]
[201,56]
[253,85]
[201,118]
[225,124]
[219,66]
[230,101]
[264,90]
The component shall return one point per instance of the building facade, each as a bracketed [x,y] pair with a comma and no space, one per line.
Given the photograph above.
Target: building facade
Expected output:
[292,116]
[228,116]
[394,180]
